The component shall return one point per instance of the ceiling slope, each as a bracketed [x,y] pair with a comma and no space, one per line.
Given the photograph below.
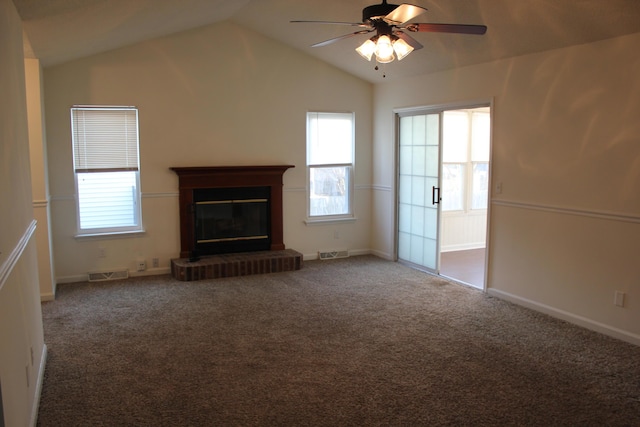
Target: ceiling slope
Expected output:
[61,30]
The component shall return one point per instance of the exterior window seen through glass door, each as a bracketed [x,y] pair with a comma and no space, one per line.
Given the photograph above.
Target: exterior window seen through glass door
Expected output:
[465,160]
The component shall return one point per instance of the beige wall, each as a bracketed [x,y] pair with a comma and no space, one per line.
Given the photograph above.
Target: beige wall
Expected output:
[39,176]
[22,350]
[200,103]
[565,231]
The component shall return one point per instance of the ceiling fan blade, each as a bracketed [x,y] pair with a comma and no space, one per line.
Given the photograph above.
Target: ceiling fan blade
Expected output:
[447,28]
[351,24]
[335,39]
[403,13]
[409,40]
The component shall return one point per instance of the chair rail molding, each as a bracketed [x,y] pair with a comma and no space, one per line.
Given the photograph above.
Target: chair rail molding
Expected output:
[9,263]
[611,216]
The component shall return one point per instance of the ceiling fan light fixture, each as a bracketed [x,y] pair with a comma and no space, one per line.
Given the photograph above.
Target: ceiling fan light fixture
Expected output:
[384,50]
[402,48]
[367,49]
[391,23]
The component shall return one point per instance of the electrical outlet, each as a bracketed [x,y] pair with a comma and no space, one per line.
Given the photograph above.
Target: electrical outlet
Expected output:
[155,262]
[618,298]
[499,188]
[142,265]
[102,252]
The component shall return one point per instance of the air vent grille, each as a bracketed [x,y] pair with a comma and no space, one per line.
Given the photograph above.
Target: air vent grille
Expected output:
[108,275]
[324,255]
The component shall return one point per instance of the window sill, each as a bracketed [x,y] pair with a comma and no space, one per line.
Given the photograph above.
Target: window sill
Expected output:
[326,220]
[110,235]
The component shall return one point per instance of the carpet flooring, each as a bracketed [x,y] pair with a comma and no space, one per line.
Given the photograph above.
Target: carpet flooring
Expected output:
[349,342]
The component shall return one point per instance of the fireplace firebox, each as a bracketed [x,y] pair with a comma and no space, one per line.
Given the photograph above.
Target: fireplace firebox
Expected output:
[230,209]
[229,220]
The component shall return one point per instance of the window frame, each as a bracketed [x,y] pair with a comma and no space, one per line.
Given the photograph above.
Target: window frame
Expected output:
[136,212]
[349,175]
[467,168]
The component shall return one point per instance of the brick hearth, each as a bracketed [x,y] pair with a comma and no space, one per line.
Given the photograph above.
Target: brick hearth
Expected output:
[238,264]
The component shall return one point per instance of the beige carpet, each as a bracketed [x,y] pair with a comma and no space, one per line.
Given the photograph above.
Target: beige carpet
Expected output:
[350,342]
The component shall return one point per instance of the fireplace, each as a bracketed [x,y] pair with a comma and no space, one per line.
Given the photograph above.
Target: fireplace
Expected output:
[229,220]
[230,209]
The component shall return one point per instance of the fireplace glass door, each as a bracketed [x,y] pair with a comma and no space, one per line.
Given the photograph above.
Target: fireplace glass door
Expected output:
[231,220]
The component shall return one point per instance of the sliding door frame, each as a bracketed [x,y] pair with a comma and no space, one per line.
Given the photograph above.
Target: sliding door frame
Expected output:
[440,109]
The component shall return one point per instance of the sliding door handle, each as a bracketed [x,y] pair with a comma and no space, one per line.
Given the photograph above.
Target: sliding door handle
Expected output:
[435,195]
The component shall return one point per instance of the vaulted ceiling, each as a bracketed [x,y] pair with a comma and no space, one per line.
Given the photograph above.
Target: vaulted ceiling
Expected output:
[60,30]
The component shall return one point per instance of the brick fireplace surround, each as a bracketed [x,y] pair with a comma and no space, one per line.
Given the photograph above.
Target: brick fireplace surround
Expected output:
[277,259]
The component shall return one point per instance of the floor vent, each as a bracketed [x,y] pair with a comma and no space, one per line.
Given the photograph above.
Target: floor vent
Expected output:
[333,254]
[108,275]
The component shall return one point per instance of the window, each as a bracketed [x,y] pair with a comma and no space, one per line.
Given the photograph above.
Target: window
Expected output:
[480,143]
[106,166]
[465,160]
[330,163]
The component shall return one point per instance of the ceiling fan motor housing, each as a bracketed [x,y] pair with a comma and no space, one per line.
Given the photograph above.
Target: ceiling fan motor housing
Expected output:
[377,11]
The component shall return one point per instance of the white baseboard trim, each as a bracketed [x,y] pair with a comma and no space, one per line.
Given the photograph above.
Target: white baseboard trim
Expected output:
[358,252]
[72,279]
[352,252]
[47,297]
[383,255]
[463,247]
[85,277]
[151,272]
[36,401]
[569,317]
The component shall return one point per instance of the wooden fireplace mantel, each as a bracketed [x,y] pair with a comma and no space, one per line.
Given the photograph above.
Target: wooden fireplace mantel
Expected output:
[199,177]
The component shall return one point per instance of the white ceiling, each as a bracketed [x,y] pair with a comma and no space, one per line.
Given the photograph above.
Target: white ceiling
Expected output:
[60,30]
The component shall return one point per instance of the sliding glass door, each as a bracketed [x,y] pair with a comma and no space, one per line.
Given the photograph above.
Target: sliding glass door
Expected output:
[443,189]
[419,189]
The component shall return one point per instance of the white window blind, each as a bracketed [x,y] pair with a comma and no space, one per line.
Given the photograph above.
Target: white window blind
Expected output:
[105,139]
[106,165]
[330,138]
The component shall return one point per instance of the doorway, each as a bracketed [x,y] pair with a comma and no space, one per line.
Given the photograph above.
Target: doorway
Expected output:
[443,183]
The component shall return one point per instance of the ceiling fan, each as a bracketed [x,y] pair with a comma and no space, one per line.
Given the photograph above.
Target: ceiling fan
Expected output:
[390,23]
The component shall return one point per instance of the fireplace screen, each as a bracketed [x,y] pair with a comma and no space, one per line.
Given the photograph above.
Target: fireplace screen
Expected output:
[231,220]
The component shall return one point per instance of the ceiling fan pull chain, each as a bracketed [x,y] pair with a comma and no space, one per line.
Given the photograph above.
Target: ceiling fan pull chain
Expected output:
[384,72]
